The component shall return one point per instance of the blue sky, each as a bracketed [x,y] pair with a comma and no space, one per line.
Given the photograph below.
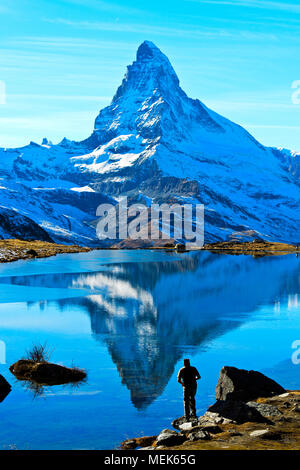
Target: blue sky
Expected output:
[62,60]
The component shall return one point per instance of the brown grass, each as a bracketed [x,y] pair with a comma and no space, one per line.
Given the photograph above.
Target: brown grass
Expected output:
[38,353]
[13,250]
[254,248]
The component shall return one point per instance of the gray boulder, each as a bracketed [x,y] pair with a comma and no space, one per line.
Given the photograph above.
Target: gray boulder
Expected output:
[187,426]
[182,421]
[268,411]
[198,434]
[245,385]
[213,419]
[168,438]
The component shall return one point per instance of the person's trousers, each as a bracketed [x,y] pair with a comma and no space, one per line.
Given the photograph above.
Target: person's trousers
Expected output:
[189,393]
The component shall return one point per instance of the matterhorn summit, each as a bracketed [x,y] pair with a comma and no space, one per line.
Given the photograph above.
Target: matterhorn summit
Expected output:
[156,144]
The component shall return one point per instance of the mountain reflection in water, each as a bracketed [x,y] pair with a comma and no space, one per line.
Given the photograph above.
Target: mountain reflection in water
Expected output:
[149,313]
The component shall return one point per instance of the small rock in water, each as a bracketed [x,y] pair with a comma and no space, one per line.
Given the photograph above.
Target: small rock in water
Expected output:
[5,388]
[46,372]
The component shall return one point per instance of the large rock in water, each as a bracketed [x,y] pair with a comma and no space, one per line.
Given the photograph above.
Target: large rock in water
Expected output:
[5,388]
[245,385]
[46,373]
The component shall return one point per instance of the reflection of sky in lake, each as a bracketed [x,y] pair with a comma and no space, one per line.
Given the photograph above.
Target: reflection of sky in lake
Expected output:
[129,318]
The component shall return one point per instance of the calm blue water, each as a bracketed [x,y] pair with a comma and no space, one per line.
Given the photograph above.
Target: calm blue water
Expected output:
[129,318]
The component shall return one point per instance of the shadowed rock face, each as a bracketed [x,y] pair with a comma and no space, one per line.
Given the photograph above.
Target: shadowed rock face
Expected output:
[234,410]
[20,226]
[235,387]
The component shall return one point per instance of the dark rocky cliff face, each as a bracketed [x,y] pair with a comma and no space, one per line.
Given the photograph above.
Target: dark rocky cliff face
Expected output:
[14,225]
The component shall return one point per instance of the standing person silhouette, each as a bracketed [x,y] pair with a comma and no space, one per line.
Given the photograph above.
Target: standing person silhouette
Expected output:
[187,377]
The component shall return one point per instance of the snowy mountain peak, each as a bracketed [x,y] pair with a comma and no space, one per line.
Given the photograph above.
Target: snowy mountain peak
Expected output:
[150,56]
[148,51]
[156,144]
[151,104]
[151,72]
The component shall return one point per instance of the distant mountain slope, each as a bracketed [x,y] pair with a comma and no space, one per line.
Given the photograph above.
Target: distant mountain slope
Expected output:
[155,143]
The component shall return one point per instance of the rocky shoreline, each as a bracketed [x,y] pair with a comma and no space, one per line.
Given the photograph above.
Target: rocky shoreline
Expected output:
[252,412]
[255,248]
[13,250]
